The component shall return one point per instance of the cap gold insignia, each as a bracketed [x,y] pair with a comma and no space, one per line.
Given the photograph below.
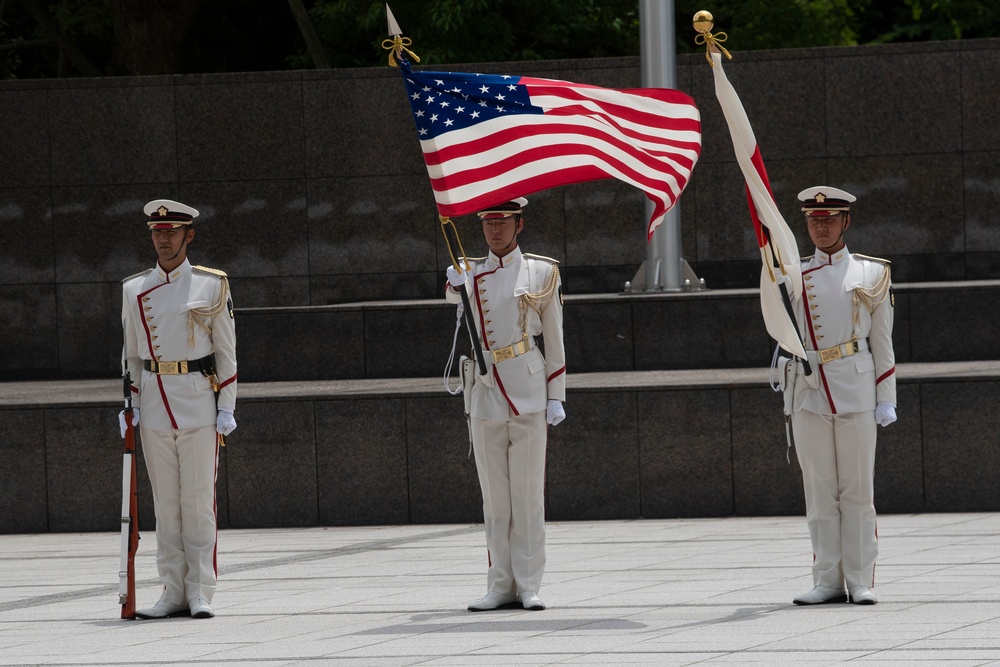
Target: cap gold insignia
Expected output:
[820,198]
[162,211]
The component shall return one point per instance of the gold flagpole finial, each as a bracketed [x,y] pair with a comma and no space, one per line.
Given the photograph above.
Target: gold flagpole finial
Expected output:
[703,23]
[398,43]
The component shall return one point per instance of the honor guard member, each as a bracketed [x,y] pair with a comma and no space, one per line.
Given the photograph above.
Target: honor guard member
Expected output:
[515,297]
[845,321]
[180,349]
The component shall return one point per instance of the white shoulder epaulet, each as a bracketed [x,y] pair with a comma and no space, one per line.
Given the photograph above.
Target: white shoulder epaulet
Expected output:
[541,257]
[214,272]
[135,275]
[874,259]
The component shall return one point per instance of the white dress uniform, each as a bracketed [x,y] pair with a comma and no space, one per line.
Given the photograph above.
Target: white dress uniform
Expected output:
[845,319]
[515,298]
[183,316]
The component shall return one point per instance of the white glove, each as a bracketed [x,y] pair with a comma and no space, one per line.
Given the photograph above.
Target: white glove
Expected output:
[225,423]
[885,413]
[554,412]
[456,277]
[121,420]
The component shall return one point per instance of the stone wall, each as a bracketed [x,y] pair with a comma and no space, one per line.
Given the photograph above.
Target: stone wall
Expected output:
[653,444]
[313,192]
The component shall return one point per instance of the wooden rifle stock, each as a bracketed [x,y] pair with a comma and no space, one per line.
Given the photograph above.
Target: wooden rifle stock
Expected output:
[129,513]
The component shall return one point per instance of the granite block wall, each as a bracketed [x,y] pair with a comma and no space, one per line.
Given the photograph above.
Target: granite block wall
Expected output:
[960,446]
[658,451]
[603,333]
[313,191]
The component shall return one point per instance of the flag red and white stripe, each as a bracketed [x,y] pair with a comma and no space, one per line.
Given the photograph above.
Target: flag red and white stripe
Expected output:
[774,237]
[489,138]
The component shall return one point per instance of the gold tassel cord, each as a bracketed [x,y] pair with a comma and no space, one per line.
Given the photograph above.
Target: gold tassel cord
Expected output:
[870,297]
[539,299]
[536,301]
[781,262]
[767,265]
[445,221]
[396,46]
[202,315]
[710,40]
[877,293]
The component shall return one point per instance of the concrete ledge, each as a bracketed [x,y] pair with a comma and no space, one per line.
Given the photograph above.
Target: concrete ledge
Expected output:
[655,444]
[717,329]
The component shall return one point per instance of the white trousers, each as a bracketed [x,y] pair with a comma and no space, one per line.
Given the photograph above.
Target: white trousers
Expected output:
[182,468]
[837,457]
[510,458]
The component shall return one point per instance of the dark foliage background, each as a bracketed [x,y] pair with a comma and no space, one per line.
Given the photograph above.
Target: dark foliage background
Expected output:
[62,38]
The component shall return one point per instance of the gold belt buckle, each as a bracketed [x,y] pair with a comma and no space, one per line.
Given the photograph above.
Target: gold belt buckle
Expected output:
[171,367]
[852,347]
[829,354]
[503,354]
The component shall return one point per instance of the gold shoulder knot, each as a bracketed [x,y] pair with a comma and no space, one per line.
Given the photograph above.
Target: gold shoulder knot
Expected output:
[135,275]
[214,272]
[542,257]
[874,259]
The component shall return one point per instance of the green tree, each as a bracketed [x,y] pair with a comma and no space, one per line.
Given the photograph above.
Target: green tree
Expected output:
[922,20]
[455,31]
[781,24]
[52,38]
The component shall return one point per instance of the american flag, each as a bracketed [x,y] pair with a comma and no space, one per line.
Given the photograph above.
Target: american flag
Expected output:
[778,250]
[489,138]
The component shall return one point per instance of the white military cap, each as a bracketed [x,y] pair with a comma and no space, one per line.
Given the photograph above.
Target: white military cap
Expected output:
[822,200]
[168,214]
[512,207]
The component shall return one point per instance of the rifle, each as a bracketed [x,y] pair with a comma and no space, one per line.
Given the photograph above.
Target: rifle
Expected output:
[130,510]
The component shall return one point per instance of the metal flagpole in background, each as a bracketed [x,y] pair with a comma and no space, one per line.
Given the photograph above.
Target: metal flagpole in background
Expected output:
[664,267]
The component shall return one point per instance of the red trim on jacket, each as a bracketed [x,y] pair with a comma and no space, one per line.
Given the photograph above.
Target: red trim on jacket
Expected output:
[885,375]
[149,343]
[504,392]
[479,308]
[815,344]
[556,374]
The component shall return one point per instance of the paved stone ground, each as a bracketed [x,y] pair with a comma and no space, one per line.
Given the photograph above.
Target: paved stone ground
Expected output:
[664,592]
